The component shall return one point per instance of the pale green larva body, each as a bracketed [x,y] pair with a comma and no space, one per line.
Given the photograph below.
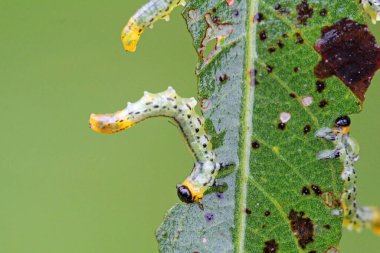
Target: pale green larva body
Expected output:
[347,149]
[181,110]
[145,17]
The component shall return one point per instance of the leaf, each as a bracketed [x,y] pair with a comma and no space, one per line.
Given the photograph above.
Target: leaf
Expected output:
[263,103]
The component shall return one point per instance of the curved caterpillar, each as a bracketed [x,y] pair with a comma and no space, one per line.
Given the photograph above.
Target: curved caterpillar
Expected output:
[181,110]
[145,17]
[347,149]
[372,7]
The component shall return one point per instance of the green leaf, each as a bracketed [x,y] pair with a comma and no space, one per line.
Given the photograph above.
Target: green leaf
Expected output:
[260,71]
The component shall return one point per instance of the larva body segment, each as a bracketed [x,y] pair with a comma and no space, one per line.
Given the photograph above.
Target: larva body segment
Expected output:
[181,110]
[347,149]
[145,17]
[372,7]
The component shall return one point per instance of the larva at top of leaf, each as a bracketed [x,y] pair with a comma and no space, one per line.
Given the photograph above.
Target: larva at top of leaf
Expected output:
[145,17]
[372,7]
[181,110]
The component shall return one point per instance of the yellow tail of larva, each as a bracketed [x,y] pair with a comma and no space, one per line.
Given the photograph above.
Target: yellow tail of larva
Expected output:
[106,123]
[130,36]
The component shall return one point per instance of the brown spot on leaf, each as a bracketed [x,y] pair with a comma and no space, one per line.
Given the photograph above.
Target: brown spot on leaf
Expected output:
[349,51]
[304,12]
[302,228]
[271,246]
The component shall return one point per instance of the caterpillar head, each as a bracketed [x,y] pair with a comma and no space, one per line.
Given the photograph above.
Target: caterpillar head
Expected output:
[108,123]
[130,36]
[343,123]
[187,193]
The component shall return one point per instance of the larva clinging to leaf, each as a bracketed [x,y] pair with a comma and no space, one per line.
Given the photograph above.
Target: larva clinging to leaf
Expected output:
[145,17]
[181,110]
[347,149]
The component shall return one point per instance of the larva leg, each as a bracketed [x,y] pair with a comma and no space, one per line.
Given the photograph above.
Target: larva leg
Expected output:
[372,7]
[181,110]
[145,17]
[347,149]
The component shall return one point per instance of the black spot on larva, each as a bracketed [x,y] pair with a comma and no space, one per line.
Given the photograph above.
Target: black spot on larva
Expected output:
[271,246]
[305,191]
[281,126]
[223,78]
[267,213]
[248,211]
[292,95]
[280,44]
[263,35]
[323,12]
[259,17]
[327,226]
[321,86]
[220,195]
[302,228]
[196,130]
[269,68]
[316,189]
[296,69]
[323,103]
[304,12]
[306,129]
[271,49]
[255,145]
[349,51]
[299,39]
[209,217]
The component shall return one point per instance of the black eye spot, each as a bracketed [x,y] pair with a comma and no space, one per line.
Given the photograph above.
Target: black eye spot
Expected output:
[343,121]
[184,194]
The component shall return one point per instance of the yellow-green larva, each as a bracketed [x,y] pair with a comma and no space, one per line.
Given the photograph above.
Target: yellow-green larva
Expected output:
[347,149]
[181,110]
[372,7]
[145,17]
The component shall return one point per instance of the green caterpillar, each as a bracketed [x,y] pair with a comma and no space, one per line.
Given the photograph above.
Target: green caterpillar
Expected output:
[181,110]
[355,217]
[145,17]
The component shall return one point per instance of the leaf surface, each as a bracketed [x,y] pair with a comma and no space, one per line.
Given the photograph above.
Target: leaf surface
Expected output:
[263,104]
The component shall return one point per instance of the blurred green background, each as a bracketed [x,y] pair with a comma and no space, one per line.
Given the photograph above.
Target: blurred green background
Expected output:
[64,188]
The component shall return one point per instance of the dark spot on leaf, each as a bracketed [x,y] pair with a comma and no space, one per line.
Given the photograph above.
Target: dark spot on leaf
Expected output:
[259,17]
[304,12]
[316,189]
[248,211]
[349,51]
[327,226]
[302,228]
[220,195]
[277,6]
[263,35]
[271,246]
[306,129]
[292,95]
[269,68]
[321,86]
[271,49]
[323,103]
[267,213]
[223,78]
[255,145]
[235,13]
[209,217]
[299,39]
[296,69]
[323,12]
[312,251]
[305,191]
[281,126]
[280,44]
[285,35]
